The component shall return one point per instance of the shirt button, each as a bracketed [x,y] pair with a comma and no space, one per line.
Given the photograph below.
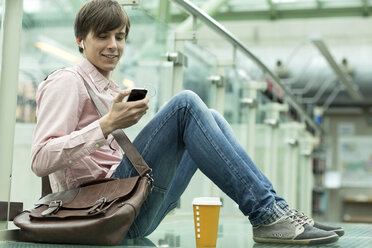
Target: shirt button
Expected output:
[97,145]
[70,161]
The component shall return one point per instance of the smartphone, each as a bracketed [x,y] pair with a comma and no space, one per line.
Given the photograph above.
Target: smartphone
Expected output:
[137,94]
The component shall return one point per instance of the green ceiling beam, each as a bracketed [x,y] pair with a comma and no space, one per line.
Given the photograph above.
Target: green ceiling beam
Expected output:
[51,21]
[284,14]
[210,7]
[365,9]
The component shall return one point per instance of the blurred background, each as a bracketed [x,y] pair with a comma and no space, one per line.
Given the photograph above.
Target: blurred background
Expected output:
[292,77]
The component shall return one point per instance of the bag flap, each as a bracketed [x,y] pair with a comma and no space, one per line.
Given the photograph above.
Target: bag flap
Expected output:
[65,196]
[96,181]
[87,196]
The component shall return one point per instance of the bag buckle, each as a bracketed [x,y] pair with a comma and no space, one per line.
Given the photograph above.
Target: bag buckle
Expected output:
[53,208]
[101,201]
[98,205]
[150,179]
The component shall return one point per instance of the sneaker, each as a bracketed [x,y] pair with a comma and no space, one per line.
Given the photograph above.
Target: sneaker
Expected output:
[292,230]
[338,230]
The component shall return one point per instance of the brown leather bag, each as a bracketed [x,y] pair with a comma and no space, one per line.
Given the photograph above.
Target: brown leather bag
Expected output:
[96,213]
[99,213]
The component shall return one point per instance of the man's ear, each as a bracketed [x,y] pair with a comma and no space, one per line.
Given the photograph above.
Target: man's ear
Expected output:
[80,42]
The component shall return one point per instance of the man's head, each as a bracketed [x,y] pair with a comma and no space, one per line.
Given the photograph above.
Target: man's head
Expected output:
[101,28]
[100,16]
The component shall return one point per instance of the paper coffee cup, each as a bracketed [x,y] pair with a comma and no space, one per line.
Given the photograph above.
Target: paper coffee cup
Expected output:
[206,215]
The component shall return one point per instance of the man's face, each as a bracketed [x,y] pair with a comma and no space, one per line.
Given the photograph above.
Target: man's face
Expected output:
[104,50]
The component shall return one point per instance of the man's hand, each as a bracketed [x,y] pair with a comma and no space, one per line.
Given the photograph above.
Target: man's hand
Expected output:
[123,114]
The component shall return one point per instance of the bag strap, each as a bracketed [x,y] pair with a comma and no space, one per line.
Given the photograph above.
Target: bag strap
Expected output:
[45,186]
[126,145]
[130,150]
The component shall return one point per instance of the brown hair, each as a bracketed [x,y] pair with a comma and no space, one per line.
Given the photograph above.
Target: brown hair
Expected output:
[100,16]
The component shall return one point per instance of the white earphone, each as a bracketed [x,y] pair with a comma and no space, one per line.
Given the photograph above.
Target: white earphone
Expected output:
[82,44]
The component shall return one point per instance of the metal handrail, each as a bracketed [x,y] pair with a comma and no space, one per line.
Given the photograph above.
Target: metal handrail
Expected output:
[345,79]
[217,27]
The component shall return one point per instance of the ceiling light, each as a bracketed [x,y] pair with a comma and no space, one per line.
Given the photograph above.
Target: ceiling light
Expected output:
[128,83]
[57,51]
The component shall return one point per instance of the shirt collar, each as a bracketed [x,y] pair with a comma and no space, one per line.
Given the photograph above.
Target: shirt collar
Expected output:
[91,72]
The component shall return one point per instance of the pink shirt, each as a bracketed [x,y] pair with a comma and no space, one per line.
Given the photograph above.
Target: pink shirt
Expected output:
[68,143]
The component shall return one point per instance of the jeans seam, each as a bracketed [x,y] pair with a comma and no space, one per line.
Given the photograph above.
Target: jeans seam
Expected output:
[218,150]
[156,131]
[159,189]
[133,230]
[173,204]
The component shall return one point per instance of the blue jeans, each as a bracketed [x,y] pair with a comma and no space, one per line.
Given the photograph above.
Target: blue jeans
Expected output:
[185,136]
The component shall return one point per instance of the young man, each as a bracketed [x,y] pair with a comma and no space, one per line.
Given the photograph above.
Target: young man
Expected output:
[73,144]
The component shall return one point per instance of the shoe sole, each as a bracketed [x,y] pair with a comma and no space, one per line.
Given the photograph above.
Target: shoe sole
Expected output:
[317,241]
[340,232]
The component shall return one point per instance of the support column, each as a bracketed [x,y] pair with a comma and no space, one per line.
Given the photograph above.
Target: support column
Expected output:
[219,104]
[178,67]
[271,167]
[219,81]
[307,144]
[179,59]
[291,167]
[250,101]
[11,43]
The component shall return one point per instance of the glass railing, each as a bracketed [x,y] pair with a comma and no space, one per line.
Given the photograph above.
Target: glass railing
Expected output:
[278,131]
[269,76]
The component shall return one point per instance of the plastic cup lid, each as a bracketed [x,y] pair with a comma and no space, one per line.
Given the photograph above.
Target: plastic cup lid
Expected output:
[207,201]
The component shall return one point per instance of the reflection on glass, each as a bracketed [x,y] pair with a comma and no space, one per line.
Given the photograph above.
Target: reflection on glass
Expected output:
[143,242]
[26,103]
[232,232]
[201,65]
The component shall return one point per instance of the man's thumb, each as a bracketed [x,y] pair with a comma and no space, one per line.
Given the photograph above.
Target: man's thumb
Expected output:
[121,95]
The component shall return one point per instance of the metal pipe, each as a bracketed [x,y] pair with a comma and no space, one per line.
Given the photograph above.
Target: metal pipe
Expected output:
[350,86]
[319,93]
[332,97]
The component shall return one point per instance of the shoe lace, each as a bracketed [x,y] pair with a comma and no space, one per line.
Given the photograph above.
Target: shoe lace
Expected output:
[302,216]
[296,219]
